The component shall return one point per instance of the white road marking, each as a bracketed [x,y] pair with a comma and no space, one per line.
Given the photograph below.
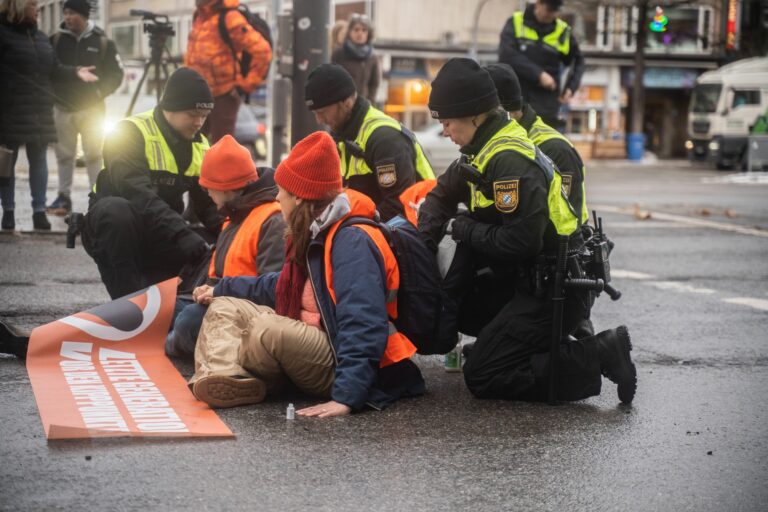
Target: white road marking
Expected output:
[680,287]
[676,286]
[761,304]
[629,274]
[722,226]
[649,224]
[744,178]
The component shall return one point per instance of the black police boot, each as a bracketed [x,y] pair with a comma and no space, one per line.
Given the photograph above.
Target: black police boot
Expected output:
[9,220]
[40,221]
[613,348]
[13,341]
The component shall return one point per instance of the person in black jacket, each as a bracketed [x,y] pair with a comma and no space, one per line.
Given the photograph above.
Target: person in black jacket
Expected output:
[379,157]
[79,107]
[27,66]
[134,229]
[536,43]
[517,210]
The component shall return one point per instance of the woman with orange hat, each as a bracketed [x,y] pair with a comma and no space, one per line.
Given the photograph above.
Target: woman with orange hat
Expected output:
[324,322]
[250,242]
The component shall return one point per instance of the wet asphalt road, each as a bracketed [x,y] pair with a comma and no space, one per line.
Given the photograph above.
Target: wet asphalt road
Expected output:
[695,299]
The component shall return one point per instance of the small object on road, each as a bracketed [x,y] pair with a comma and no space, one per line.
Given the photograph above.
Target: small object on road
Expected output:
[290,412]
[87,457]
[453,359]
[709,452]
[641,214]
[730,213]
[704,212]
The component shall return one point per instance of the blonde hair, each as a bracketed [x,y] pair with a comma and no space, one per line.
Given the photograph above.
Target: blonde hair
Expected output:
[14,10]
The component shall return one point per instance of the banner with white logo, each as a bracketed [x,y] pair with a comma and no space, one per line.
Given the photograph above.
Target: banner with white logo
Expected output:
[103,373]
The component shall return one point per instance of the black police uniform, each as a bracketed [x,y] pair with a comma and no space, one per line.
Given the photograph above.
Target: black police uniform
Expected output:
[566,158]
[134,229]
[386,147]
[493,275]
[530,59]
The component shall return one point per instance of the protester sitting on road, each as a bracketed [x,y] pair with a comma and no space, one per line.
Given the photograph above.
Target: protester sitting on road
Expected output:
[251,239]
[27,67]
[134,229]
[517,211]
[379,157]
[321,323]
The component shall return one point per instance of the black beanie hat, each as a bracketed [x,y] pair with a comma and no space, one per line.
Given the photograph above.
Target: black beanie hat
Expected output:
[186,90]
[79,6]
[555,5]
[462,89]
[507,85]
[328,84]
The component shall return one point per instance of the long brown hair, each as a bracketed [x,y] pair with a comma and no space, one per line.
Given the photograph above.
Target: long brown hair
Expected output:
[299,222]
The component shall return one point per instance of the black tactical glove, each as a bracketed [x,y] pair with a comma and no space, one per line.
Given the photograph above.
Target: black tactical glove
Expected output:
[192,246]
[461,228]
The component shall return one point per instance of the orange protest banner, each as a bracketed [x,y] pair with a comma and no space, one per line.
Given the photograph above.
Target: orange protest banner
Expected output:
[103,373]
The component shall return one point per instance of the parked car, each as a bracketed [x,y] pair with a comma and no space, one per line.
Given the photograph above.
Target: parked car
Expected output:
[438,149]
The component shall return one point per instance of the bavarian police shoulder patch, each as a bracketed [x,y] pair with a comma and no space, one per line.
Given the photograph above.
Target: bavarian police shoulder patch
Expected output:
[567,178]
[386,175]
[505,195]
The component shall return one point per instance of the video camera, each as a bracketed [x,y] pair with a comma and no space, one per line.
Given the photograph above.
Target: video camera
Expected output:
[155,24]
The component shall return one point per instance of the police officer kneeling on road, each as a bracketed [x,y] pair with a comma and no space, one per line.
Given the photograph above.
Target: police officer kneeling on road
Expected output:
[517,208]
[134,229]
[379,157]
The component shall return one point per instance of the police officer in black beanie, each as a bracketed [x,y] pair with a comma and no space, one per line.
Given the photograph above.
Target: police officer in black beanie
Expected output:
[134,229]
[379,157]
[516,211]
[551,142]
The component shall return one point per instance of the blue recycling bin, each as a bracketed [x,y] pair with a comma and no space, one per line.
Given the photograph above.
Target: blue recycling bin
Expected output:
[635,146]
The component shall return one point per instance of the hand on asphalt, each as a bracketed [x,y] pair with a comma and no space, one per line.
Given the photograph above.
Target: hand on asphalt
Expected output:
[325,410]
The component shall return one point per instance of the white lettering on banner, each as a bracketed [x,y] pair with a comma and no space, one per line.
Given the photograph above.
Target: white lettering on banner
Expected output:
[146,405]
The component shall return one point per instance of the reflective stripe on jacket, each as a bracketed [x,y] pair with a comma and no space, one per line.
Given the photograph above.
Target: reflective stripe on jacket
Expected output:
[540,133]
[512,137]
[157,151]
[356,165]
[559,39]
[241,255]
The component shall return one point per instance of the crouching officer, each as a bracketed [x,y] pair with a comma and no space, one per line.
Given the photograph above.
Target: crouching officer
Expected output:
[516,211]
[551,142]
[379,157]
[133,229]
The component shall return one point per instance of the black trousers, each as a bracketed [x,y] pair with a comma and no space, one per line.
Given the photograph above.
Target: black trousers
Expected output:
[127,248]
[510,359]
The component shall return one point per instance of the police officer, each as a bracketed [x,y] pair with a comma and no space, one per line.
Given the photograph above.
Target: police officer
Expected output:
[516,210]
[536,43]
[134,229]
[551,142]
[379,156]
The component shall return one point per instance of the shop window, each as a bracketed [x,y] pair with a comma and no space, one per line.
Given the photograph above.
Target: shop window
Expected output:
[687,30]
[126,39]
[591,28]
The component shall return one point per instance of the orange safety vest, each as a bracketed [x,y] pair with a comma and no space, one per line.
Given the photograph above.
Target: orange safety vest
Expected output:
[399,347]
[241,256]
[413,195]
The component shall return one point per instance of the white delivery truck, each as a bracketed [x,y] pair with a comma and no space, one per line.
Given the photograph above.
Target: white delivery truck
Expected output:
[725,104]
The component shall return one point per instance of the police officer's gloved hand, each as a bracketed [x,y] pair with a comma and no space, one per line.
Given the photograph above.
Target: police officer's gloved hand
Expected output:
[192,246]
[461,228]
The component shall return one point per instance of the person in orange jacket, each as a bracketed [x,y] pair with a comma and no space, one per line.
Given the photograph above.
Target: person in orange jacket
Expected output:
[251,238]
[209,55]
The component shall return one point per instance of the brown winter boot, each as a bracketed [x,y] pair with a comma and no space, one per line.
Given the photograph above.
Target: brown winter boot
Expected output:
[220,391]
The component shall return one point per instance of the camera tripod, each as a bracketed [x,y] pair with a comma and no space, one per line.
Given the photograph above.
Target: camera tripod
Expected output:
[158,34]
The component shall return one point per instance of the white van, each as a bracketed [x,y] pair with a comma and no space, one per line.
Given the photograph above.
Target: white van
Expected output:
[724,105]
